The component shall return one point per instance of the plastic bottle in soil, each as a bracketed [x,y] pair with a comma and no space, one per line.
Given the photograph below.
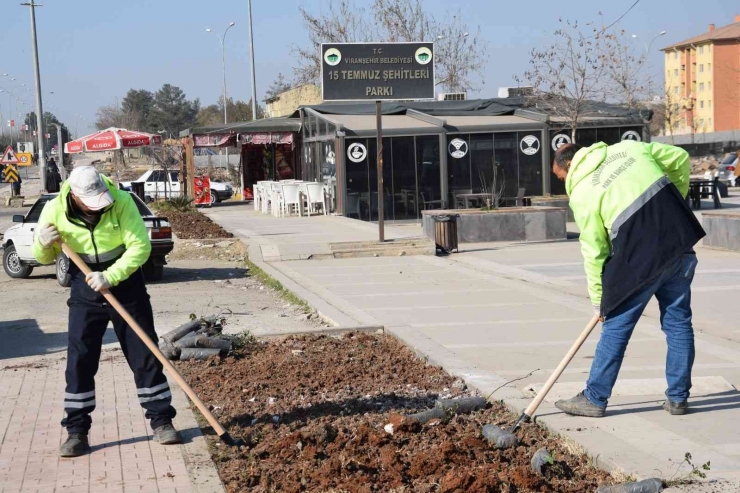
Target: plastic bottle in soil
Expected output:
[181,331]
[198,353]
[498,437]
[539,459]
[211,342]
[464,405]
[652,485]
[189,341]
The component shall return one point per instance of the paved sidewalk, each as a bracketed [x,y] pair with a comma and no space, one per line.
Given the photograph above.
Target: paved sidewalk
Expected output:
[124,458]
[494,313]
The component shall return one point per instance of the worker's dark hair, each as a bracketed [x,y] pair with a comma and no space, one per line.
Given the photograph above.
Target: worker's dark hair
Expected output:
[564,155]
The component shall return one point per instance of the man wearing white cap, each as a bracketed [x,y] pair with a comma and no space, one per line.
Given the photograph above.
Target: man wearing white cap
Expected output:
[103,225]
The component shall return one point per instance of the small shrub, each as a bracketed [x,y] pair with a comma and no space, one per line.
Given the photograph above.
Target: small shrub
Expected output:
[181,204]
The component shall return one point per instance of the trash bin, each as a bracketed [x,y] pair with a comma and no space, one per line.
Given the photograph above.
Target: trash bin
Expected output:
[445,232]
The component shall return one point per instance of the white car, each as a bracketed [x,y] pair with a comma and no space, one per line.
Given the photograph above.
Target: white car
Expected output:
[725,170]
[156,186]
[18,260]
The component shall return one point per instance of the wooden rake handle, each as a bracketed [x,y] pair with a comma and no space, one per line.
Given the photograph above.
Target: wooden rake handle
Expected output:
[220,431]
[532,408]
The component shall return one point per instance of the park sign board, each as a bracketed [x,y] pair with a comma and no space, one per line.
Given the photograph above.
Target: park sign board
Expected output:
[377,71]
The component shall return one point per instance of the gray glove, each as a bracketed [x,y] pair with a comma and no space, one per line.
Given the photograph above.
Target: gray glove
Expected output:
[97,281]
[48,235]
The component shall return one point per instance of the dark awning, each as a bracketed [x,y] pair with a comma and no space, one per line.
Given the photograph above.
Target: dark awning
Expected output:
[257,126]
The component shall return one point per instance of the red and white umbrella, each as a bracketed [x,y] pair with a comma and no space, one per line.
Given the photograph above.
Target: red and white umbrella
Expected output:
[112,139]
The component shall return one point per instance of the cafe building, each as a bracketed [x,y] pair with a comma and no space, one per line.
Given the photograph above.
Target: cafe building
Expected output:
[433,152]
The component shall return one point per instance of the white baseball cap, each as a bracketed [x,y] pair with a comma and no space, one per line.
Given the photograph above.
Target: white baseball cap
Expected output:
[90,188]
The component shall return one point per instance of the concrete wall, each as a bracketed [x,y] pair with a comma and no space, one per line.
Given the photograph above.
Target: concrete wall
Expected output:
[723,230]
[515,224]
[561,202]
[287,102]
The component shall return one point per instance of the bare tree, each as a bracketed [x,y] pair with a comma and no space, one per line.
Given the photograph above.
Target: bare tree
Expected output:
[167,158]
[460,55]
[495,189]
[671,112]
[113,115]
[571,74]
[627,71]
[345,23]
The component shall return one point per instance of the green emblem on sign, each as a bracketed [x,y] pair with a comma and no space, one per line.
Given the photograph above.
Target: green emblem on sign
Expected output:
[332,56]
[423,55]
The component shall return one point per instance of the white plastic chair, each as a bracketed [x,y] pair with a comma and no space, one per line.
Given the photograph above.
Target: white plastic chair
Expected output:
[256,191]
[315,195]
[276,199]
[290,197]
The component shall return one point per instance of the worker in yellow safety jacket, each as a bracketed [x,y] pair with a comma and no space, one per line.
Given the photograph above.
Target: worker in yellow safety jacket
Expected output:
[103,225]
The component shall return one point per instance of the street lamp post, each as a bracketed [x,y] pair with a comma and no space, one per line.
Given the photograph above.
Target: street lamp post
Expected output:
[39,108]
[254,75]
[222,40]
[647,54]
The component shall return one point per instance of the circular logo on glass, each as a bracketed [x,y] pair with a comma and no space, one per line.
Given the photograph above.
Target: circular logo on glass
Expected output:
[530,145]
[458,148]
[559,141]
[356,152]
[631,135]
[332,56]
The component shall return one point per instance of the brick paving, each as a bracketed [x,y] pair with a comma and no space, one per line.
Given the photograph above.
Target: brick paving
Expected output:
[124,457]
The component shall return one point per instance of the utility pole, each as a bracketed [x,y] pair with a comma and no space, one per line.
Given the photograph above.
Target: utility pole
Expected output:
[251,48]
[39,107]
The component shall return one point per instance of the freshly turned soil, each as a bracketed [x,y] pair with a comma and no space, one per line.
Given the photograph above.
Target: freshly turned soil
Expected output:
[313,412]
[194,225]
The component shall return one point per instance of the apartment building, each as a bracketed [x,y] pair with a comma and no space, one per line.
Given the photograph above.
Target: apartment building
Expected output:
[702,81]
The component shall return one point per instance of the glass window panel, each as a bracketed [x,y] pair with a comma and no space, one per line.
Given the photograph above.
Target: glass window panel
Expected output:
[586,137]
[506,163]
[387,179]
[35,213]
[405,198]
[481,158]
[357,182]
[609,135]
[458,165]
[427,169]
[530,164]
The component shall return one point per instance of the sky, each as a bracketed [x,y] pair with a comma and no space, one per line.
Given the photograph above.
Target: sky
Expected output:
[92,51]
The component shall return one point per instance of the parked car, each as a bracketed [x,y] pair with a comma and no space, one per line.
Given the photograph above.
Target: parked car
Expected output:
[156,186]
[220,190]
[18,261]
[725,170]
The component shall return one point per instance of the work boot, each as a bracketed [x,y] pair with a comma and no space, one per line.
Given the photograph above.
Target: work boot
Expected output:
[75,446]
[580,406]
[167,435]
[675,408]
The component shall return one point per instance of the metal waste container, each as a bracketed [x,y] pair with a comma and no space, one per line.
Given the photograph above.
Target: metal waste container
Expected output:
[445,232]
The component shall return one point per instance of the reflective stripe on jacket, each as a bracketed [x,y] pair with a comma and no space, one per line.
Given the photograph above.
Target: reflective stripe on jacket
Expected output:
[628,202]
[121,233]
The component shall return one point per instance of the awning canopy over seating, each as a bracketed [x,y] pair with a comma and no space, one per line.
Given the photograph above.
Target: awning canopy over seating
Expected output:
[268,130]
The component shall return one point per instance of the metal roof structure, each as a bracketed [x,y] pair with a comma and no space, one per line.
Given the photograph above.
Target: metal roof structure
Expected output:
[265,125]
